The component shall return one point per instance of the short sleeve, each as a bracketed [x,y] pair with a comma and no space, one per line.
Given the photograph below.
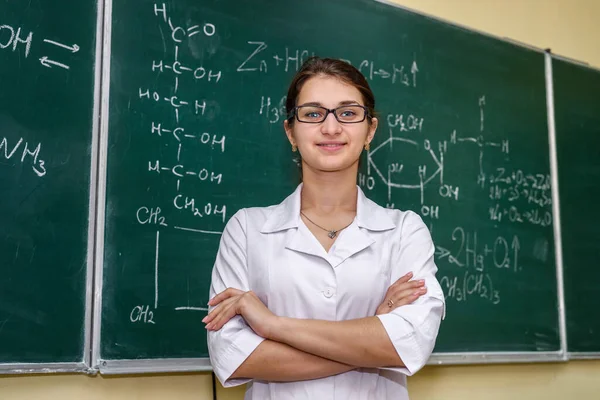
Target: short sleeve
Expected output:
[413,328]
[230,346]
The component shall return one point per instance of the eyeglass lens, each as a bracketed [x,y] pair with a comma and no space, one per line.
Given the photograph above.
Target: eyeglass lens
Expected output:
[314,114]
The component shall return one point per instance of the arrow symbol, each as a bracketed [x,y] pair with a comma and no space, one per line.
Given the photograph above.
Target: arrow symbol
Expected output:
[515,246]
[414,69]
[441,252]
[383,73]
[49,63]
[73,49]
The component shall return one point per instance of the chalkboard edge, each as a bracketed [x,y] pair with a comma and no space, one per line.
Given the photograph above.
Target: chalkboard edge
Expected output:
[556,218]
[43,368]
[467,28]
[573,61]
[172,365]
[580,355]
[163,365]
[496,357]
[106,38]
[93,201]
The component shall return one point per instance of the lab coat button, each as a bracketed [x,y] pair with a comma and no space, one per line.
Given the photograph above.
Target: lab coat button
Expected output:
[328,292]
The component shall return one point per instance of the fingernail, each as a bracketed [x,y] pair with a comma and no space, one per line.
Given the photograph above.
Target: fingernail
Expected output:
[409,274]
[421,281]
[204,319]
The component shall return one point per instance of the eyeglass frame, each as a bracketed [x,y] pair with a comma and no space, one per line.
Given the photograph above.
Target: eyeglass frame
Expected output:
[294,113]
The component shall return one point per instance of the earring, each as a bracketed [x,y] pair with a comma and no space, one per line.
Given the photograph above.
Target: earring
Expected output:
[367,146]
[294,148]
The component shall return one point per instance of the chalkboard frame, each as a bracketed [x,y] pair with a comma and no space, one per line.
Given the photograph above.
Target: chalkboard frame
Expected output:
[130,366]
[85,365]
[101,187]
[573,355]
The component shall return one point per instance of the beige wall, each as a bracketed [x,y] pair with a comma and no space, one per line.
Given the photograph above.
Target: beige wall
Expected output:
[571,29]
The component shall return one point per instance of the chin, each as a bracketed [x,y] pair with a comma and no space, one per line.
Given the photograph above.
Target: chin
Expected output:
[336,166]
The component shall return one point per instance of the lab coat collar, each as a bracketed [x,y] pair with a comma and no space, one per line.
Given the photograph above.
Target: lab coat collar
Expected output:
[286,215]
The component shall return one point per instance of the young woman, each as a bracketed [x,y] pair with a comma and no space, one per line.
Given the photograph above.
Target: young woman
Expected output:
[326,295]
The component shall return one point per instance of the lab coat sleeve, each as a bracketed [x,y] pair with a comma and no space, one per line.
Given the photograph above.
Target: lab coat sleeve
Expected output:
[413,328]
[230,346]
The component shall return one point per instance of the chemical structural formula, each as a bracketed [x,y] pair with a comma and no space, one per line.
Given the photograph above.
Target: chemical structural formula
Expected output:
[395,175]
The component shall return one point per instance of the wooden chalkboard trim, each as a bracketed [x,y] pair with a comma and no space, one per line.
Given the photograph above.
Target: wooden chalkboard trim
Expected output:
[556,225]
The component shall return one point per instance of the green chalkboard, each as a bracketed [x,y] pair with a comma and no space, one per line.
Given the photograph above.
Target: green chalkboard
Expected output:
[195,133]
[47,54]
[577,115]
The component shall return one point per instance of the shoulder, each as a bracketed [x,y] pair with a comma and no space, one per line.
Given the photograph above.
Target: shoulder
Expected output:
[377,217]
[272,218]
[406,219]
[410,229]
[251,218]
[400,227]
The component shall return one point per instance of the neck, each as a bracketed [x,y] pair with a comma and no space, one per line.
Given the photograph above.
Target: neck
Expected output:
[328,192]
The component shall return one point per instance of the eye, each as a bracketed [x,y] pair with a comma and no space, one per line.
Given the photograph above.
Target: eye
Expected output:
[350,114]
[311,113]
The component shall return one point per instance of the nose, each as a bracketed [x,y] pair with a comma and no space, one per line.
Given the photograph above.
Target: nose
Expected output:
[331,126]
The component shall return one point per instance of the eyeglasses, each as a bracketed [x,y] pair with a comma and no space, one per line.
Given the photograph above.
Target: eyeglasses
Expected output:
[352,114]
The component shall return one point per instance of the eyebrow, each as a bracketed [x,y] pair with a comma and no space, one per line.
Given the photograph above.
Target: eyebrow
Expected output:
[341,103]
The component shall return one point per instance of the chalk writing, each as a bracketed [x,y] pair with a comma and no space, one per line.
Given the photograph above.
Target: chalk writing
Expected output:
[27,156]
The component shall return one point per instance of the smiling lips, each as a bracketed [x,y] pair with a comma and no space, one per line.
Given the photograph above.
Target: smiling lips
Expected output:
[331,146]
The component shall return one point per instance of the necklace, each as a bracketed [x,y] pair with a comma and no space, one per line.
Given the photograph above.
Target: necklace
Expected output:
[331,233]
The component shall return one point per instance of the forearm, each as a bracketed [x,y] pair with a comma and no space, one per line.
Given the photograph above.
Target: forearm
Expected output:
[278,362]
[360,342]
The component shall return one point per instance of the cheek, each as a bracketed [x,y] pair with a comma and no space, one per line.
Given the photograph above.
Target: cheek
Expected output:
[359,136]
[305,134]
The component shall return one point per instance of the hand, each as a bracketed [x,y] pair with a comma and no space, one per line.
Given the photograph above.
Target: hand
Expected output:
[232,302]
[402,292]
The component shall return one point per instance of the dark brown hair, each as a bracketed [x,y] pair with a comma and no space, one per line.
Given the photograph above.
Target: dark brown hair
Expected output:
[345,72]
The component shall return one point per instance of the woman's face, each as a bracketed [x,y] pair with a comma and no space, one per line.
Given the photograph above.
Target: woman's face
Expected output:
[330,145]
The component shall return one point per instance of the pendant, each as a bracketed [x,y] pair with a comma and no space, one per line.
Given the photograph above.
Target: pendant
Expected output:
[332,234]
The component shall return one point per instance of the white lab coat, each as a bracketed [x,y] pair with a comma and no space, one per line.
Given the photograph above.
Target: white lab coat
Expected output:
[271,251]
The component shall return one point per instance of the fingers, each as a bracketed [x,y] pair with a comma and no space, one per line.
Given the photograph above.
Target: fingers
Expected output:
[231,302]
[395,286]
[225,294]
[219,320]
[416,284]
[402,294]
[220,315]
[403,279]
[398,287]
[217,310]
[408,296]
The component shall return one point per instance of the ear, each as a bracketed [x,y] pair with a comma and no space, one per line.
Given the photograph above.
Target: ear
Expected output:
[372,129]
[288,132]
